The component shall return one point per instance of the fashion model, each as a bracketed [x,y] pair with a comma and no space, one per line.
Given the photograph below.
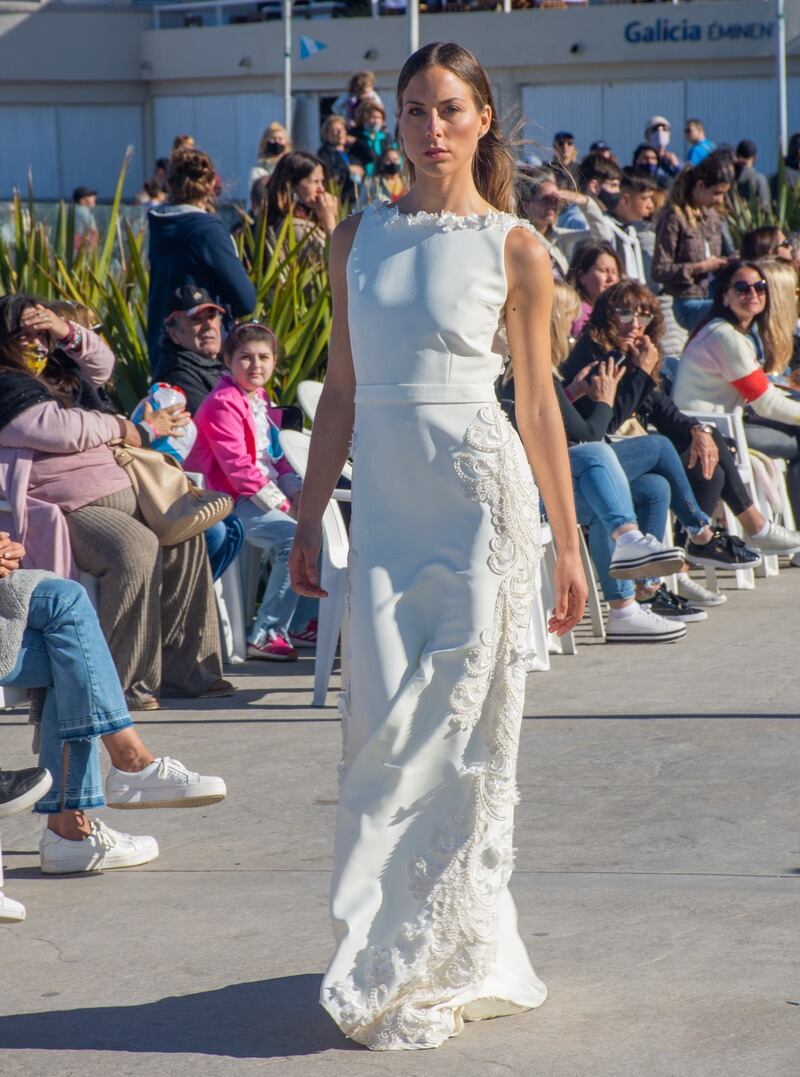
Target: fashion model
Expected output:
[445,542]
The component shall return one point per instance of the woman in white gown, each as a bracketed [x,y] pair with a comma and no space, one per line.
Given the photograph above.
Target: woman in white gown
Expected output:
[445,539]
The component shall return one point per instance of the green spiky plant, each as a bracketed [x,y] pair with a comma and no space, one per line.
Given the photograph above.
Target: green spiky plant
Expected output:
[784,212]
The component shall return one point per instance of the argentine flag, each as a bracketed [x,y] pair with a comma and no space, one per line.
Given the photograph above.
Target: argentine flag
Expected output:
[310,47]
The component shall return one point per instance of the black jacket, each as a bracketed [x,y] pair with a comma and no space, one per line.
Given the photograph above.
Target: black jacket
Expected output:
[189,371]
[18,392]
[637,395]
[579,428]
[190,247]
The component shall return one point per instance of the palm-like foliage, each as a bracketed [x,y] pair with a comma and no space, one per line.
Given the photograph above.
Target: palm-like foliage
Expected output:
[784,212]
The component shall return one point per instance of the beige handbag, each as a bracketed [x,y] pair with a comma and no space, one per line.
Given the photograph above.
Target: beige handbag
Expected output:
[171,505]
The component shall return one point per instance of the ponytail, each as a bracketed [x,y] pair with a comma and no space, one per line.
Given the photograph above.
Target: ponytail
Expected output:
[714,169]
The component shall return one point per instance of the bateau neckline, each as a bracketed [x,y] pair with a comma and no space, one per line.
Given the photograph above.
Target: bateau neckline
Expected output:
[445,218]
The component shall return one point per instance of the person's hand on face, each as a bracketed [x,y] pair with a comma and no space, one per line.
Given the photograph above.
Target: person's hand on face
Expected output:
[39,322]
[644,354]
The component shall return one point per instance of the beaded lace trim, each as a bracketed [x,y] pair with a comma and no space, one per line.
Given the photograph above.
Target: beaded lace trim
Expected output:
[397,996]
[447,221]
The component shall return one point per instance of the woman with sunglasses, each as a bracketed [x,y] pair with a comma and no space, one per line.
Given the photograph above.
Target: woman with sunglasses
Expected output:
[720,370]
[627,324]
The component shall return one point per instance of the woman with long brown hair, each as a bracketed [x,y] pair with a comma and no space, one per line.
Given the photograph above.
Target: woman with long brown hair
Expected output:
[445,542]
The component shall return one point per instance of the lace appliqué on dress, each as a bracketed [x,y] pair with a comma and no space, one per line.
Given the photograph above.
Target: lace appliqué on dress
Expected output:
[397,997]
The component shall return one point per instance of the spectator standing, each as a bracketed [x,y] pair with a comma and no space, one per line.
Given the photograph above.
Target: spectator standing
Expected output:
[87,234]
[334,152]
[371,136]
[688,247]
[750,183]
[274,143]
[699,146]
[564,162]
[190,245]
[389,184]
[361,88]
[791,164]
[657,135]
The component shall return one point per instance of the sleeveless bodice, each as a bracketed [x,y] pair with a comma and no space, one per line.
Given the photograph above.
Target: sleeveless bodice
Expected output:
[426,298]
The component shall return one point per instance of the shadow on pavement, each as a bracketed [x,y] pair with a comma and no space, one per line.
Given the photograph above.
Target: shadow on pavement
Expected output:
[264,1019]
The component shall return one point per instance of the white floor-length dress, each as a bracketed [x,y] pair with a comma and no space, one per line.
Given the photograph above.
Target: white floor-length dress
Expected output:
[445,540]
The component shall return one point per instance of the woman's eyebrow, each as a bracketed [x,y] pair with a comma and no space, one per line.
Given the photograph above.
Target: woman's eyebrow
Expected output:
[446,101]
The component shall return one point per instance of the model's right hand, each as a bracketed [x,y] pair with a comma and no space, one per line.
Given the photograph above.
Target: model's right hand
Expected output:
[303,560]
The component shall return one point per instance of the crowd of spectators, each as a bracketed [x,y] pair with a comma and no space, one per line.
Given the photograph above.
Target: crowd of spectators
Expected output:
[660,322]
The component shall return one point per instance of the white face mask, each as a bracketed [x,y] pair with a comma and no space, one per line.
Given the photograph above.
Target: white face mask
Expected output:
[659,139]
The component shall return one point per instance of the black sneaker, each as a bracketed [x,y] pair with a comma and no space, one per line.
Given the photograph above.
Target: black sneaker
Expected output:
[672,606]
[723,551]
[20,789]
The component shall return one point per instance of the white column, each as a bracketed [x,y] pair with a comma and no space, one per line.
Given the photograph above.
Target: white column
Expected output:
[780,75]
[412,19]
[287,65]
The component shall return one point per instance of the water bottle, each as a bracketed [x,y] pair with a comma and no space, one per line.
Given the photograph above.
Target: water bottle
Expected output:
[161,395]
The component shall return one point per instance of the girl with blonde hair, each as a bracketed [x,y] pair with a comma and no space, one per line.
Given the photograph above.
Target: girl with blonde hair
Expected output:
[275,141]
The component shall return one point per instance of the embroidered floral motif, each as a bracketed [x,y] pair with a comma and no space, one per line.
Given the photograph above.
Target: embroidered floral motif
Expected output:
[403,991]
[447,221]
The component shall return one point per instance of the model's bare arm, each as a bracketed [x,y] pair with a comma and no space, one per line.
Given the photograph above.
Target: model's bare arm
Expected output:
[530,297]
[333,424]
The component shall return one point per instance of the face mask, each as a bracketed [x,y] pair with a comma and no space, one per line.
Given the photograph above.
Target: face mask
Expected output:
[659,140]
[272,148]
[391,168]
[374,125]
[35,357]
[609,199]
[650,167]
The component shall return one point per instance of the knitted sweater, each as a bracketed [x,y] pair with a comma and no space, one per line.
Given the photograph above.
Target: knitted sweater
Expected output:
[15,597]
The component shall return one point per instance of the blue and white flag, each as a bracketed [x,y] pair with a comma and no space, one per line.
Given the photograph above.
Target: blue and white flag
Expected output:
[310,47]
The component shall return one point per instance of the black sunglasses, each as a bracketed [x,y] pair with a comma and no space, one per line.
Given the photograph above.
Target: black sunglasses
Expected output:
[743,287]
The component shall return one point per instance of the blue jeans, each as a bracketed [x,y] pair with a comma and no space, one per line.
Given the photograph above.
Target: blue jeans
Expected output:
[280,607]
[224,540]
[653,461]
[688,312]
[64,652]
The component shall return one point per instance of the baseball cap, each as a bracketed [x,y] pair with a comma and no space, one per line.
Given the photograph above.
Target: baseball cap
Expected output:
[657,121]
[82,192]
[563,136]
[189,300]
[746,148]
[598,146]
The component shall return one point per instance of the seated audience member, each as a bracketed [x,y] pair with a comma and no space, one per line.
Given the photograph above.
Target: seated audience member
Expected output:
[238,451]
[53,646]
[190,244]
[599,191]
[689,246]
[699,146]
[766,242]
[657,135]
[19,791]
[273,144]
[298,186]
[74,508]
[594,268]
[720,370]
[751,184]
[191,344]
[626,325]
[539,200]
[371,138]
[334,153]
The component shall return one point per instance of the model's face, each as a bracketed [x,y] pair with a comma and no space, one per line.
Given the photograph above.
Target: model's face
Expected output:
[747,294]
[252,365]
[200,332]
[602,275]
[545,206]
[311,187]
[440,125]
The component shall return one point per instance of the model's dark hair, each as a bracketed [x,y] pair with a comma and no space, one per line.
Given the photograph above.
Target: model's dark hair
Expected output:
[290,169]
[626,294]
[190,176]
[760,243]
[716,168]
[245,334]
[584,257]
[493,164]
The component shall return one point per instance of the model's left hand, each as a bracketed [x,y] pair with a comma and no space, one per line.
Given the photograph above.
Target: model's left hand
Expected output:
[705,450]
[571,594]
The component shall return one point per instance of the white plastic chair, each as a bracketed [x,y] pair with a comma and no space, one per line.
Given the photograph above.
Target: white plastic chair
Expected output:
[594,603]
[308,394]
[333,574]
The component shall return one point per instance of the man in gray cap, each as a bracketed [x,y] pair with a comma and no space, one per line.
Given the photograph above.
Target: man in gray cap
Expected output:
[657,134]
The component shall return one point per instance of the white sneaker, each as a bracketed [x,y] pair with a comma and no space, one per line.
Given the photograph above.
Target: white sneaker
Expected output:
[643,626]
[11,912]
[778,539]
[166,783]
[101,850]
[696,593]
[645,557]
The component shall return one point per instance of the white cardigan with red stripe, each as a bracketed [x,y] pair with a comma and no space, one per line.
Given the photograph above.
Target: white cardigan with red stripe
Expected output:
[719,371]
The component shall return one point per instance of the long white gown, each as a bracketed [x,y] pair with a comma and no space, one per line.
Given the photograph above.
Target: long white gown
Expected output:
[445,540]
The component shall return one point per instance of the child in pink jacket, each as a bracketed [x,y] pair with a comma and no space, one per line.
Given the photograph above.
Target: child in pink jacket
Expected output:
[238,451]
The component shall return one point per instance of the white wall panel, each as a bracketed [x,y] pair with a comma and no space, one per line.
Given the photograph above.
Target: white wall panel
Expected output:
[732,109]
[171,116]
[29,136]
[627,106]
[93,140]
[547,109]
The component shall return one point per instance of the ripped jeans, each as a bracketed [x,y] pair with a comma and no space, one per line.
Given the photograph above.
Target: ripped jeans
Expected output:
[280,609]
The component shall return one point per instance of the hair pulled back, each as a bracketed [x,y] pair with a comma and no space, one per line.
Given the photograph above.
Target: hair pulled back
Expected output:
[714,169]
[493,164]
[190,177]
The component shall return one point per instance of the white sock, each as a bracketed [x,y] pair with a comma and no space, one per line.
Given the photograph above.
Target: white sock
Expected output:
[629,536]
[762,531]
[623,611]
